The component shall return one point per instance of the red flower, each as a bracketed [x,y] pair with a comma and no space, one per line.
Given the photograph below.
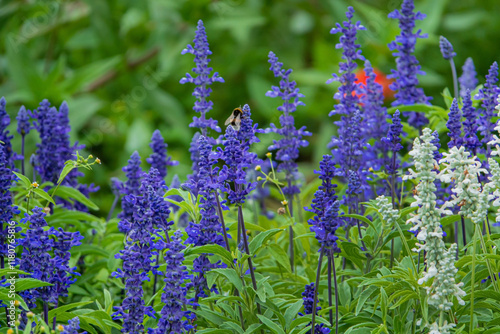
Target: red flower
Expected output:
[380,79]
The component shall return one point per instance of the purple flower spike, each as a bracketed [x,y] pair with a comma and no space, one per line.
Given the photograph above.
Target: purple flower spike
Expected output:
[173,318]
[407,64]
[454,124]
[435,141]
[203,80]
[23,122]
[73,327]
[133,172]
[471,141]
[5,136]
[325,206]
[468,80]
[7,210]
[292,138]
[308,302]
[348,146]
[393,142]
[446,48]
[488,94]
[375,114]
[159,159]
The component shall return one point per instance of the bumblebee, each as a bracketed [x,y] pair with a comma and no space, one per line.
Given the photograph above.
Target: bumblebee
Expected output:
[235,119]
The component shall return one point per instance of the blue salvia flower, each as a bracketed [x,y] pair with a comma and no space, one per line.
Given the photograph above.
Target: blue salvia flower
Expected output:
[133,172]
[55,147]
[173,318]
[203,80]
[435,141]
[23,122]
[73,327]
[247,135]
[347,147]
[5,136]
[291,138]
[143,240]
[159,159]
[454,124]
[232,173]
[195,159]
[375,114]
[37,243]
[7,210]
[407,65]
[308,302]
[471,141]
[488,94]
[468,79]
[325,207]
[446,48]
[209,229]
[393,142]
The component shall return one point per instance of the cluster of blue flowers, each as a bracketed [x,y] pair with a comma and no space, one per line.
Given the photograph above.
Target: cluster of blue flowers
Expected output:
[348,146]
[46,256]
[308,298]
[146,231]
[325,206]
[291,140]
[488,94]
[406,83]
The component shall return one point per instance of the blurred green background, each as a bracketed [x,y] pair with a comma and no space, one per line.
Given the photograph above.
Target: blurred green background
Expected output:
[118,64]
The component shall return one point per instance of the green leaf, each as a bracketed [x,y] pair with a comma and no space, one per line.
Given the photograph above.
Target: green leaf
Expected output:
[352,252]
[231,275]
[261,238]
[68,167]
[364,297]
[278,254]
[361,218]
[29,283]
[212,249]
[72,193]
[449,219]
[43,195]
[62,309]
[25,181]
[407,211]
[271,325]
[291,312]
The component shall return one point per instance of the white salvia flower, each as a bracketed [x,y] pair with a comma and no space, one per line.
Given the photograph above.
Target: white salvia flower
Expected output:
[464,171]
[494,186]
[439,260]
[444,329]
[389,215]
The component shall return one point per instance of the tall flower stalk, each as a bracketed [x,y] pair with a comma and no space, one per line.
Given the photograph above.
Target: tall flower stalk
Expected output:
[393,144]
[7,209]
[130,187]
[375,121]
[407,65]
[159,158]
[448,54]
[468,79]
[470,124]
[203,80]
[291,138]
[439,260]
[324,224]
[145,230]
[23,128]
[347,147]
[488,94]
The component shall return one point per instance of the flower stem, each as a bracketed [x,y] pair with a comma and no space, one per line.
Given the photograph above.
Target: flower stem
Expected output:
[336,294]
[247,250]
[315,300]
[455,81]
[464,237]
[473,274]
[330,302]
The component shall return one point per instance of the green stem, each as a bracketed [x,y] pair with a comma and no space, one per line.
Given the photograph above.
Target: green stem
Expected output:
[486,250]
[315,299]
[473,274]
